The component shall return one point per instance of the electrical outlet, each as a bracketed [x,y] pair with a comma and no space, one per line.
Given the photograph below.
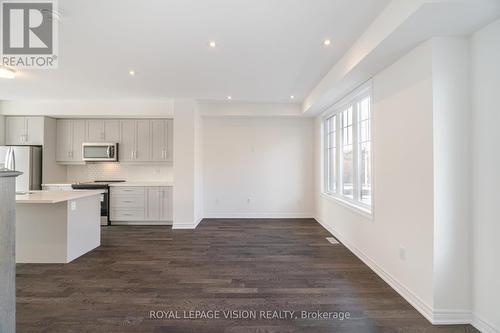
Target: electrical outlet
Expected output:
[73,205]
[402,253]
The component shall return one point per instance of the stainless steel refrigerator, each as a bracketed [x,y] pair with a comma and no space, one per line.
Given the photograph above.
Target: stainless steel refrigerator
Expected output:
[28,160]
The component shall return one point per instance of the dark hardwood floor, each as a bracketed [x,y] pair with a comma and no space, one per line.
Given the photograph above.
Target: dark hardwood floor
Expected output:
[246,265]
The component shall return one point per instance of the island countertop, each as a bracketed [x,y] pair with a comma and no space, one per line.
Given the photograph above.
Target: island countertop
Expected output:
[143,184]
[51,197]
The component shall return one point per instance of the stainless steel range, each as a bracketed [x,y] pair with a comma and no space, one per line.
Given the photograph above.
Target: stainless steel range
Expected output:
[99,185]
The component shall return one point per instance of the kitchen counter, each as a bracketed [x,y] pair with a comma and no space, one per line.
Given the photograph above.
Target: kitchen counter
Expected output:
[143,184]
[57,226]
[52,197]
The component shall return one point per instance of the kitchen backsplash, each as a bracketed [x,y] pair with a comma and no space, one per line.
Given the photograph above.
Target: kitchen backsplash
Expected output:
[114,171]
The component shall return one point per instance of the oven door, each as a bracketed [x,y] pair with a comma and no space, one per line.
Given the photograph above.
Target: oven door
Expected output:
[100,152]
[105,208]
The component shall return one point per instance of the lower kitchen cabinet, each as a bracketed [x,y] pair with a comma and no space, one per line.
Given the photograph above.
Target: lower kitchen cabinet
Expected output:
[141,205]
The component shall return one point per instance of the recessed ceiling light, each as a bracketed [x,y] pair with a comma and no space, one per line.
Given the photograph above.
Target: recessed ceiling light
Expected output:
[292,97]
[228,97]
[131,72]
[6,73]
[212,44]
[327,42]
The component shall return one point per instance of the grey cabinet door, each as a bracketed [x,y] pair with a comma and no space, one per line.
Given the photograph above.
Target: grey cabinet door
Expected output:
[64,138]
[78,140]
[34,128]
[169,140]
[153,203]
[158,136]
[127,141]
[166,211]
[15,131]
[95,130]
[111,130]
[143,141]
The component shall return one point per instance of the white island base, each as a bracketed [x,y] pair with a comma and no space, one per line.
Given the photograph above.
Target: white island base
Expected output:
[57,228]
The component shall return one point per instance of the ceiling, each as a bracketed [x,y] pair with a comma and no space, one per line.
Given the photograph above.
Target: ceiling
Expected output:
[267,50]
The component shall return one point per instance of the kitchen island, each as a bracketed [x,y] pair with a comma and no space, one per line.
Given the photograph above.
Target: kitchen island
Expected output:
[57,226]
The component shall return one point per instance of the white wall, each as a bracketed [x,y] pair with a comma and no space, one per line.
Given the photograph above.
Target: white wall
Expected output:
[485,52]
[258,167]
[452,176]
[239,109]
[198,168]
[90,108]
[186,165]
[403,182]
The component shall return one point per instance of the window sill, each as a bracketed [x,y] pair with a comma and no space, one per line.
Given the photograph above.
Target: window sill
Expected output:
[365,212]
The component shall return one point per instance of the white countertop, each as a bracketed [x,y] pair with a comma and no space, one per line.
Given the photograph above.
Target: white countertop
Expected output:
[51,197]
[149,183]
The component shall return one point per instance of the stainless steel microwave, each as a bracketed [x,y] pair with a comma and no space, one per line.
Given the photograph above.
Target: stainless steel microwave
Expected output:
[100,152]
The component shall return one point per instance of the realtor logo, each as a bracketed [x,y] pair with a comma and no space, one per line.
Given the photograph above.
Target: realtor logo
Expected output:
[29,34]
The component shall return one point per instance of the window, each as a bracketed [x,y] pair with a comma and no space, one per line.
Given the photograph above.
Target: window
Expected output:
[348,151]
[331,154]
[347,154]
[365,152]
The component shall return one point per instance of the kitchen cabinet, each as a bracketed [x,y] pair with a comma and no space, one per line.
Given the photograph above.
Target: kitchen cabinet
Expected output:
[166,203]
[140,140]
[70,136]
[153,201]
[143,141]
[99,130]
[162,140]
[21,131]
[126,148]
[159,202]
[135,143]
[141,205]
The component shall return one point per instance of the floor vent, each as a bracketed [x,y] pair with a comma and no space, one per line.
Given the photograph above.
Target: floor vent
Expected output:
[332,240]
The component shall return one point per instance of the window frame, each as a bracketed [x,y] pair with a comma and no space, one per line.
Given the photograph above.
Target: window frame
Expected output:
[351,100]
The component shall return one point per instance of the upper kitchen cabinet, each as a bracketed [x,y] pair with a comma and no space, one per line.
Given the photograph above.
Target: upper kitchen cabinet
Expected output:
[98,130]
[162,140]
[135,142]
[70,137]
[26,131]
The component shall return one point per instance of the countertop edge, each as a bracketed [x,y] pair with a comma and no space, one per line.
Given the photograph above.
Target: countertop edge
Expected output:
[81,194]
[143,184]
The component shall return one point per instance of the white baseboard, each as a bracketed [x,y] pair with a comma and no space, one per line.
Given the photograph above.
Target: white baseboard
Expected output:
[184,226]
[424,309]
[141,223]
[258,215]
[451,317]
[483,325]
